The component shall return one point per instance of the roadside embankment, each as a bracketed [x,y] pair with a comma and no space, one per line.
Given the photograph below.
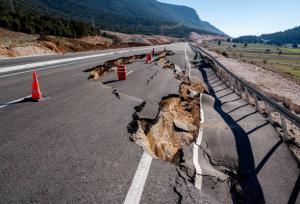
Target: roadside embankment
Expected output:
[16,44]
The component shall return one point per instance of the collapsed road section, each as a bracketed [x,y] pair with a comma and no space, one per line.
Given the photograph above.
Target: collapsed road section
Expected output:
[166,124]
[175,127]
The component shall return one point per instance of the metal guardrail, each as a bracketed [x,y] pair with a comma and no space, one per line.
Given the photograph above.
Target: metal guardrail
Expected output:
[239,85]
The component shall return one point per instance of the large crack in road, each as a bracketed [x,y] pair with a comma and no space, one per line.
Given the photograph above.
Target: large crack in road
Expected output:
[170,136]
[176,125]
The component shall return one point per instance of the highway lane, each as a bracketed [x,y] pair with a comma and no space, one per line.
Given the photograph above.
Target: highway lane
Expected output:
[75,147]
[31,59]
[11,92]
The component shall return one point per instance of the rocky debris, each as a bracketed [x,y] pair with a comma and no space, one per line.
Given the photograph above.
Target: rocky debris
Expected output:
[183,125]
[192,94]
[175,127]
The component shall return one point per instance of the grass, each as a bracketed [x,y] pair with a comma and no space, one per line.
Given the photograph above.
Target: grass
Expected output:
[285,61]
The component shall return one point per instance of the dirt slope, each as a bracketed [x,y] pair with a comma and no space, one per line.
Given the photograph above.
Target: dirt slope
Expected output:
[14,44]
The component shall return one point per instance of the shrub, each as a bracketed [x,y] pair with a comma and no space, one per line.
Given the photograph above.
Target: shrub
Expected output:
[225,54]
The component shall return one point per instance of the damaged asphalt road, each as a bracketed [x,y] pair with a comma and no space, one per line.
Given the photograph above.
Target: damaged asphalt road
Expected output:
[76,148]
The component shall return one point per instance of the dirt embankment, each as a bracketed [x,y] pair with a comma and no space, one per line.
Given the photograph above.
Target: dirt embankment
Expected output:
[14,44]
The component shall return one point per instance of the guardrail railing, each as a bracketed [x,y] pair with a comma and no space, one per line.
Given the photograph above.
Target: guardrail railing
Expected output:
[240,86]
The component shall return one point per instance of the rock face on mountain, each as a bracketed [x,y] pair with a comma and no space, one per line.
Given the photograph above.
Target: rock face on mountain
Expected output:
[144,16]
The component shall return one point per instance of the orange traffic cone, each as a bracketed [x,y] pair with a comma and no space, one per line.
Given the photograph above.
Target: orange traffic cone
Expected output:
[36,92]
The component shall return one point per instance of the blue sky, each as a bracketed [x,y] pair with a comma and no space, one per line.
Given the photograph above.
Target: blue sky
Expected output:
[244,17]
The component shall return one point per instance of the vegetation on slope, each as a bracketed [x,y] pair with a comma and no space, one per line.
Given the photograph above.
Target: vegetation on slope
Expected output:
[291,36]
[34,23]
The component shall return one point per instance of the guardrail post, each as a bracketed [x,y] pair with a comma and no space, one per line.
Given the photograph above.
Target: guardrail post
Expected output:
[269,113]
[256,102]
[247,95]
[284,128]
[239,87]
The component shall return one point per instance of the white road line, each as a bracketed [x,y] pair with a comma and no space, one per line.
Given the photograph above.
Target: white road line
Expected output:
[198,179]
[51,67]
[188,62]
[52,62]
[136,189]
[15,101]
[129,73]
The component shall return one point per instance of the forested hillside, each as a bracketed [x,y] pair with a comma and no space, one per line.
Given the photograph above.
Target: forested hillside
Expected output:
[291,36]
[34,23]
[139,16]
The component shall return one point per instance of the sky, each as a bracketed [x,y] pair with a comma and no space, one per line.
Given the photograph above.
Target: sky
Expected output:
[246,17]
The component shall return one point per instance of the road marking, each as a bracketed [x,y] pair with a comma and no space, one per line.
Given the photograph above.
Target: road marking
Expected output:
[198,179]
[129,73]
[137,186]
[52,62]
[187,59]
[51,67]
[15,101]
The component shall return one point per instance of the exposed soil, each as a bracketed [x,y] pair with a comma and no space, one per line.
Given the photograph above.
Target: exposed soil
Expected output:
[14,44]
[110,66]
[175,127]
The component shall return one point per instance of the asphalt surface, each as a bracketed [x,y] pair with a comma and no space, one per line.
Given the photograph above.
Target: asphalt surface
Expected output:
[239,139]
[31,59]
[75,146]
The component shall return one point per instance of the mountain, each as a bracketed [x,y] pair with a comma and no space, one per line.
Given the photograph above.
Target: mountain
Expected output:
[138,16]
[291,36]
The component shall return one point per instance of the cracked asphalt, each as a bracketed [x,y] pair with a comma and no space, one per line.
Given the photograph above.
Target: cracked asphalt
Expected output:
[239,141]
[75,147]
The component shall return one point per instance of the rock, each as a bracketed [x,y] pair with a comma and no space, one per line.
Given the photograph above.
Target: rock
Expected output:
[184,126]
[188,108]
[181,125]
[178,69]
[192,94]
[184,103]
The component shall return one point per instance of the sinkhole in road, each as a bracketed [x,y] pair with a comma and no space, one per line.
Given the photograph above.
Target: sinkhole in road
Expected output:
[109,66]
[175,127]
